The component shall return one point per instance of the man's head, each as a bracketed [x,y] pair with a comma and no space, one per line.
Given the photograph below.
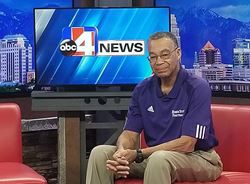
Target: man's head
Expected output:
[164,54]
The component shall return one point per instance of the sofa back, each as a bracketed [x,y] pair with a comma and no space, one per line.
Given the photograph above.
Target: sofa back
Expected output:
[232,128]
[10,133]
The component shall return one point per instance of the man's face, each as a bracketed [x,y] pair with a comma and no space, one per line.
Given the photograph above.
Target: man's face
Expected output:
[164,57]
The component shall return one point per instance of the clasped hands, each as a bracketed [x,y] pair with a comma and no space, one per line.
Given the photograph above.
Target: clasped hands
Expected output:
[120,163]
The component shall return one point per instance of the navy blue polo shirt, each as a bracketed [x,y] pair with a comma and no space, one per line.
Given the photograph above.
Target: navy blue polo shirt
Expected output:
[186,110]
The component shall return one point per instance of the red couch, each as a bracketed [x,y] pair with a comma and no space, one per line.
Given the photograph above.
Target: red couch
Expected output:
[232,127]
[12,170]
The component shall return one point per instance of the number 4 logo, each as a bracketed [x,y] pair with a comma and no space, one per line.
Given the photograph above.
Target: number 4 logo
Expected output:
[85,39]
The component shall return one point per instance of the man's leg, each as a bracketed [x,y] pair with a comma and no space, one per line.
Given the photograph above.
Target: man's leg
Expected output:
[96,170]
[169,166]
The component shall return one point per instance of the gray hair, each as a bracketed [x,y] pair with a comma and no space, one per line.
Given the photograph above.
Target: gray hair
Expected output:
[159,35]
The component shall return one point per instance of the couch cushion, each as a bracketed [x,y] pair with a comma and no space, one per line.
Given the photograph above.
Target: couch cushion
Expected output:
[10,139]
[225,178]
[232,128]
[18,173]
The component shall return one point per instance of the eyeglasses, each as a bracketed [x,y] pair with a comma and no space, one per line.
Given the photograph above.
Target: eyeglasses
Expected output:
[164,56]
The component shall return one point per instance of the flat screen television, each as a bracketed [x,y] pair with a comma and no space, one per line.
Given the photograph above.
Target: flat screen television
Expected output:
[95,46]
[17,61]
[215,40]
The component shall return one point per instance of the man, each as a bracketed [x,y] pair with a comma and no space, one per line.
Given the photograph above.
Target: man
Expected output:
[173,108]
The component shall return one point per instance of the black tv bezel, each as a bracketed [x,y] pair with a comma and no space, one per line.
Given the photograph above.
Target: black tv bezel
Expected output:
[90,87]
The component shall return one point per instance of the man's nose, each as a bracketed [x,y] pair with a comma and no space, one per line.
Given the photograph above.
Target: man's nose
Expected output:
[159,60]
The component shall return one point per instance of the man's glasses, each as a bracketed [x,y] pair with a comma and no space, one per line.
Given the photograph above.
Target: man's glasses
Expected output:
[164,56]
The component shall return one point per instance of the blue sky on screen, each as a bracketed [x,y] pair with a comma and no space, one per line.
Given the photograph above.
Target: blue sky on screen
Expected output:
[236,9]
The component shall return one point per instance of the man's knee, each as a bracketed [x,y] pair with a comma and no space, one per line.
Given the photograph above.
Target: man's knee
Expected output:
[102,151]
[160,163]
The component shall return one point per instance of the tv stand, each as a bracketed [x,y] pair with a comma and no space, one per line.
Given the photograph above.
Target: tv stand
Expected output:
[72,108]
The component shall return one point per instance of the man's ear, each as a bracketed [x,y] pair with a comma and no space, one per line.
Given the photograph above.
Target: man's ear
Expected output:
[178,53]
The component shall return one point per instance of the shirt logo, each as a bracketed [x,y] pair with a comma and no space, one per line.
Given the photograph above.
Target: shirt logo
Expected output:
[178,113]
[151,109]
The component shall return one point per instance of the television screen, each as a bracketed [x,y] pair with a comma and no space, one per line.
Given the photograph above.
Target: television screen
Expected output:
[17,66]
[215,40]
[95,46]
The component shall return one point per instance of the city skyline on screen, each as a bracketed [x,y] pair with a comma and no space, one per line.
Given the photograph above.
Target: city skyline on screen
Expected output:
[17,70]
[215,40]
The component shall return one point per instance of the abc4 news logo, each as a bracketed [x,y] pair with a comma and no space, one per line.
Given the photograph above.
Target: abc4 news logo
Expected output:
[82,41]
[68,47]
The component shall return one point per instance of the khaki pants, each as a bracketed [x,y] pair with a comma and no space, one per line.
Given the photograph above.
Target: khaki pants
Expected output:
[162,167]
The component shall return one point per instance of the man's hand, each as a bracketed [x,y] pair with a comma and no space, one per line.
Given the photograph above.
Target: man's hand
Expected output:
[120,164]
[118,154]
[128,155]
[119,168]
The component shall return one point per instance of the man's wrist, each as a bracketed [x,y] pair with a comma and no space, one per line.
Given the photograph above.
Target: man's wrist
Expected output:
[120,148]
[139,156]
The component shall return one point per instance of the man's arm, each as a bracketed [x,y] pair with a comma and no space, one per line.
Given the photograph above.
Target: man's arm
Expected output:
[126,145]
[127,140]
[183,144]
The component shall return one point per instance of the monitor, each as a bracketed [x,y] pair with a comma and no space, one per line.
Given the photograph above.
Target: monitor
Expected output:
[95,46]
